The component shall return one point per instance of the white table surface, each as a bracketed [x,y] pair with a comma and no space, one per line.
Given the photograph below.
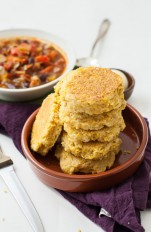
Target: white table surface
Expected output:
[127,46]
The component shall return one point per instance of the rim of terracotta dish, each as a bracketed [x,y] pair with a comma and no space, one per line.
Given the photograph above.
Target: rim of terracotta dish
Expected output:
[83,177]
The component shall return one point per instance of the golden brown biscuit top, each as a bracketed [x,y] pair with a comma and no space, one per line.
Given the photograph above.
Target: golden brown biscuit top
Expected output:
[91,82]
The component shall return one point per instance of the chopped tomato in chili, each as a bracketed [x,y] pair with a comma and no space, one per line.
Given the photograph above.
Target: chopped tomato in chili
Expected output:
[29,62]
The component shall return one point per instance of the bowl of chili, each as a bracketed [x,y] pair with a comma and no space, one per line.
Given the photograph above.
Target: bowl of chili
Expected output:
[31,63]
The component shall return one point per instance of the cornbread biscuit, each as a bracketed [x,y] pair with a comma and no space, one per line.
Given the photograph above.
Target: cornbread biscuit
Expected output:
[106,134]
[71,164]
[92,90]
[47,127]
[90,150]
[90,122]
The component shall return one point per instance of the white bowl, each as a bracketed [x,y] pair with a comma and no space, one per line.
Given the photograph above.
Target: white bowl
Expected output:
[39,91]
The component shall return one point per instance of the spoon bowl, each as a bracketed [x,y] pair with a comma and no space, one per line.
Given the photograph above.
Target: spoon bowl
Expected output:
[87,61]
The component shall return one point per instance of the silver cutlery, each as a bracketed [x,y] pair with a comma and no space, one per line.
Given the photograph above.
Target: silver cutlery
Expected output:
[91,60]
[16,188]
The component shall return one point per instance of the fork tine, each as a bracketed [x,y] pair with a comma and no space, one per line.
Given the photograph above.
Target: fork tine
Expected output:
[1,152]
[4,160]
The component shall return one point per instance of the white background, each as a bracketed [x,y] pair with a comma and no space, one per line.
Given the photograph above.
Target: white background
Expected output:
[127,46]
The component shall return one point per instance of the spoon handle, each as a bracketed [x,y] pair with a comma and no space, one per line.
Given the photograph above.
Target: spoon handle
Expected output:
[102,32]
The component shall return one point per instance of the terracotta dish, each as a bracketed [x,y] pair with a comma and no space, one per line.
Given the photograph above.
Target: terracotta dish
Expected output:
[47,168]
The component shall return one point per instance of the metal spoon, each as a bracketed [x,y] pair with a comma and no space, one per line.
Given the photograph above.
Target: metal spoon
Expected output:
[91,61]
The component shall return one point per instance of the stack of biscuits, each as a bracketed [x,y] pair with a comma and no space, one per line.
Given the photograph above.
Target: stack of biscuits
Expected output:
[91,102]
[85,113]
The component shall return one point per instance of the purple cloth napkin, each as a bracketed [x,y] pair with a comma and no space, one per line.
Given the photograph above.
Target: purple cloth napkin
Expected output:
[123,202]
